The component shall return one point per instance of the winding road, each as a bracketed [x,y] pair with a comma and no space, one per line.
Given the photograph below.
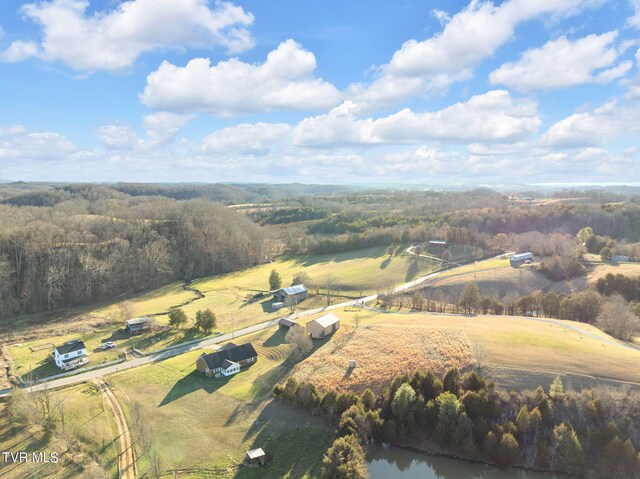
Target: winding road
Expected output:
[183,348]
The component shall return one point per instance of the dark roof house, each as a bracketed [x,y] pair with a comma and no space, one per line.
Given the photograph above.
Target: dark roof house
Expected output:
[227,360]
[71,346]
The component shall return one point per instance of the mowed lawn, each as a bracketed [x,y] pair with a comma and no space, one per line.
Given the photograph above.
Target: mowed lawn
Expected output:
[523,344]
[231,296]
[204,426]
[85,420]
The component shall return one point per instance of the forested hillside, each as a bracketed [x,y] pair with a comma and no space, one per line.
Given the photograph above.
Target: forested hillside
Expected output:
[103,243]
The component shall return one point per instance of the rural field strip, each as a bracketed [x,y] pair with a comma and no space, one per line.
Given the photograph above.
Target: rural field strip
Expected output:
[161,356]
[126,457]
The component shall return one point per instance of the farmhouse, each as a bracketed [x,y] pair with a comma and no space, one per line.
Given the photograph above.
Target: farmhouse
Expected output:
[291,295]
[323,326]
[70,355]
[137,325]
[519,259]
[227,361]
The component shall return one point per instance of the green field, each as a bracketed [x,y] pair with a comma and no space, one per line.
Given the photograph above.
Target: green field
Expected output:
[353,274]
[230,297]
[90,453]
[205,425]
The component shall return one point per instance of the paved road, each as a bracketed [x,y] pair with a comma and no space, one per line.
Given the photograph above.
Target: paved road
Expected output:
[191,346]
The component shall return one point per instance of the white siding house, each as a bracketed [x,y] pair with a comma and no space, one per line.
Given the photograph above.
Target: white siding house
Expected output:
[71,354]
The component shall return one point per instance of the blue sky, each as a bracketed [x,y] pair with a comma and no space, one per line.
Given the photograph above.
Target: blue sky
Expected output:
[320,92]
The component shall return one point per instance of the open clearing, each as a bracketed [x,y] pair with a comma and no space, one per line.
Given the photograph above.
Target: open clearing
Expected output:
[601,270]
[383,351]
[521,345]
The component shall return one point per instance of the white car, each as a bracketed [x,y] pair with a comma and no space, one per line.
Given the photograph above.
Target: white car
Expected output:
[108,345]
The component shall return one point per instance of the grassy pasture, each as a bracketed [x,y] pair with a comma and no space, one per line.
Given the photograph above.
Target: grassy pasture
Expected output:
[90,425]
[506,342]
[205,425]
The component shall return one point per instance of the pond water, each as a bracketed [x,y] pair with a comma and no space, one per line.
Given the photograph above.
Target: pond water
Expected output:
[396,463]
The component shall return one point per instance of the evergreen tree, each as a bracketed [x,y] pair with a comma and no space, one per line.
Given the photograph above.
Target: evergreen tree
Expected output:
[275,281]
[345,460]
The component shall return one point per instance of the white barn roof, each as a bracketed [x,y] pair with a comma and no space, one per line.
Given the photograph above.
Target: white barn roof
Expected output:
[296,289]
[326,320]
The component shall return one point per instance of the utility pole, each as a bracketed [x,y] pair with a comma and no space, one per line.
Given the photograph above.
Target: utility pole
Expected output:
[233,332]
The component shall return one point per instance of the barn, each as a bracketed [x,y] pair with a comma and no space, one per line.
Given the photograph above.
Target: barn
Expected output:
[291,295]
[323,326]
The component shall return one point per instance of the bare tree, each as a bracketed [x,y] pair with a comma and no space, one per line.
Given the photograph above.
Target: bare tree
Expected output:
[299,337]
[617,319]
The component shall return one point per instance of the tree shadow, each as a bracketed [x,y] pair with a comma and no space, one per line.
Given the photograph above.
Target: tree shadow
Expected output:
[118,335]
[192,382]
[276,339]
[412,271]
[386,262]
[279,427]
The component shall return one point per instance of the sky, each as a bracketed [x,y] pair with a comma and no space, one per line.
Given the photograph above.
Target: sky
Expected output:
[357,92]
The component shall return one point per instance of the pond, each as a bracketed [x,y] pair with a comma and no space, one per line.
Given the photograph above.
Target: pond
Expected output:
[397,463]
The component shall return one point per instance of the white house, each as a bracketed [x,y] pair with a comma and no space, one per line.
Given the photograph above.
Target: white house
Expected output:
[71,354]
[229,368]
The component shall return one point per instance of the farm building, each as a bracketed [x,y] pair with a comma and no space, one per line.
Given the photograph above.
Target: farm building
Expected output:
[438,243]
[520,259]
[291,295]
[286,323]
[256,457]
[227,361]
[137,325]
[323,326]
[70,355]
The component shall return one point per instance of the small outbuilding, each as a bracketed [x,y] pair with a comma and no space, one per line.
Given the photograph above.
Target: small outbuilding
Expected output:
[256,457]
[138,325]
[323,326]
[286,323]
[291,295]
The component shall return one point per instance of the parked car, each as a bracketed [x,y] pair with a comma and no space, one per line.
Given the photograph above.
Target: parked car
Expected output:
[108,345]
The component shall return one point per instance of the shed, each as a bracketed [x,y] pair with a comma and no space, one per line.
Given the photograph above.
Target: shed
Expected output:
[256,456]
[286,323]
[291,295]
[323,326]
[137,325]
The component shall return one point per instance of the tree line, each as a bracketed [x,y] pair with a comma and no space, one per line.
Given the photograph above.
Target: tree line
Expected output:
[81,251]
[466,416]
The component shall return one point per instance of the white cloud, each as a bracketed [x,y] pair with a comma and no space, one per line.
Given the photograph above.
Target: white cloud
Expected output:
[284,81]
[634,20]
[247,139]
[17,144]
[562,63]
[117,137]
[491,117]
[113,40]
[162,127]
[469,37]
[592,129]
[18,51]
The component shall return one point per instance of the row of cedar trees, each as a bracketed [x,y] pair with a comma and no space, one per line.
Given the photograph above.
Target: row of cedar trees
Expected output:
[466,416]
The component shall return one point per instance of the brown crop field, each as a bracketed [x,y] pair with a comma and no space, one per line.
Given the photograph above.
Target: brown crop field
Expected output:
[382,352]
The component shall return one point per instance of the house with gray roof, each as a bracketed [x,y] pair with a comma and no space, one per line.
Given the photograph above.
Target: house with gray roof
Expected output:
[291,295]
[227,361]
